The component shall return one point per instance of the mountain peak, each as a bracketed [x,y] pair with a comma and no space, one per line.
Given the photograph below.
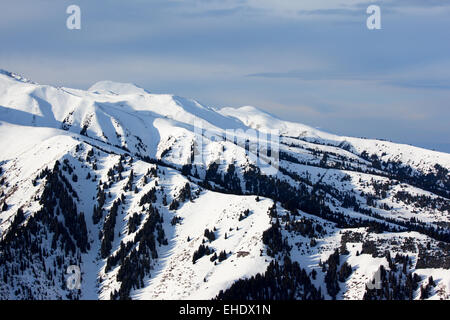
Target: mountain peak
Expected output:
[14,76]
[116,88]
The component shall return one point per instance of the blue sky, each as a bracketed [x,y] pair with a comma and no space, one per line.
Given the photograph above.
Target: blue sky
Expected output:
[313,62]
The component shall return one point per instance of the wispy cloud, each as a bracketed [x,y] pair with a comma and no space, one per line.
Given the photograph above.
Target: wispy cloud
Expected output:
[290,8]
[398,80]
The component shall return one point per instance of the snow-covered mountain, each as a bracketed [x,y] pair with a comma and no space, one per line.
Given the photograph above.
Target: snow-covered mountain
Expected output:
[156,196]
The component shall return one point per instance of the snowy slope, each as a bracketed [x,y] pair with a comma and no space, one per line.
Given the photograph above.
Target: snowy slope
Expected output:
[127,184]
